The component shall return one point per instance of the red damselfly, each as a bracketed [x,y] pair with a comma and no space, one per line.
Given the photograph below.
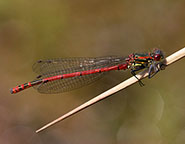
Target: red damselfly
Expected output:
[61,75]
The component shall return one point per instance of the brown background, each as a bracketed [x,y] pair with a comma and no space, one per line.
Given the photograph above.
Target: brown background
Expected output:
[30,30]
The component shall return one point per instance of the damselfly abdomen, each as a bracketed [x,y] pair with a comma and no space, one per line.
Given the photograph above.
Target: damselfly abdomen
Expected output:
[65,74]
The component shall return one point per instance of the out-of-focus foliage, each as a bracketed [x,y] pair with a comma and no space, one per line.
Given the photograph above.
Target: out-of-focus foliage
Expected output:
[30,30]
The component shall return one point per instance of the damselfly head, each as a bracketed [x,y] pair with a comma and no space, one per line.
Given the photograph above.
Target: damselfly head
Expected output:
[158,55]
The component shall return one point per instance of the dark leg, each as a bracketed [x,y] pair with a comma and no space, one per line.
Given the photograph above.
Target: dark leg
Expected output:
[134,74]
[155,68]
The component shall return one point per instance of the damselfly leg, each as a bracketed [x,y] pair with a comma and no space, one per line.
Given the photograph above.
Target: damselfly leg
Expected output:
[134,74]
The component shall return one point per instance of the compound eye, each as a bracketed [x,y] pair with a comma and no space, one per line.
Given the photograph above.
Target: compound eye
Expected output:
[157,57]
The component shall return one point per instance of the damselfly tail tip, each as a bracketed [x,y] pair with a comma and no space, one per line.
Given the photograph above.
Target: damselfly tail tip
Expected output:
[11,91]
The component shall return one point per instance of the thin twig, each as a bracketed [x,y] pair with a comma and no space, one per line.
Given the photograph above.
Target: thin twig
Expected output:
[169,60]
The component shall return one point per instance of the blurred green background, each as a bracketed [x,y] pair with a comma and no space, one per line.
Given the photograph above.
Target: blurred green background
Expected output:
[31,30]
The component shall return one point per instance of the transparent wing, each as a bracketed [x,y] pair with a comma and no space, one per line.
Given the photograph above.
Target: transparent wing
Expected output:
[53,67]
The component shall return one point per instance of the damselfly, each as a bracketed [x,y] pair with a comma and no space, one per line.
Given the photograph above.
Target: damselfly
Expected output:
[61,75]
